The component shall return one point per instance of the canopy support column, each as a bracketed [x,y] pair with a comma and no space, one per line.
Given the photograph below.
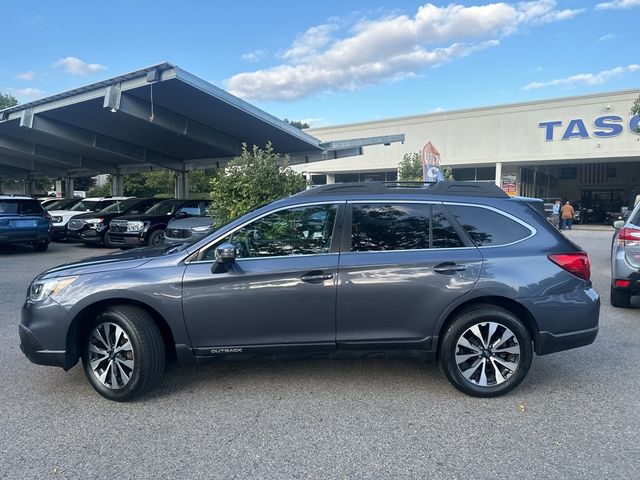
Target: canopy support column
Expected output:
[117,187]
[181,190]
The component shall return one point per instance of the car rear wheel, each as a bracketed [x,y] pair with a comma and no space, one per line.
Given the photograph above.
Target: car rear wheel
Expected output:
[486,351]
[123,353]
[41,246]
[620,298]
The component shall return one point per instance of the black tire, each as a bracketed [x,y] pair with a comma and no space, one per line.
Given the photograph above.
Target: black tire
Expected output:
[41,246]
[620,298]
[156,238]
[140,336]
[498,378]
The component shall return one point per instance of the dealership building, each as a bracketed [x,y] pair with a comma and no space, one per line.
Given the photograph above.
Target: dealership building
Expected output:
[584,148]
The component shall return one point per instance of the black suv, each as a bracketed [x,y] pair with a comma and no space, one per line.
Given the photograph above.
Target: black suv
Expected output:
[91,228]
[148,229]
[23,220]
[455,271]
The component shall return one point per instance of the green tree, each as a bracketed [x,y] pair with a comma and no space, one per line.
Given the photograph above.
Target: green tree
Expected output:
[7,101]
[255,177]
[297,123]
[410,168]
[83,183]
[149,184]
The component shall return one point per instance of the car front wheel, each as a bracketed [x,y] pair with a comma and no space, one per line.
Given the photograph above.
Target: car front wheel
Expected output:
[486,352]
[123,353]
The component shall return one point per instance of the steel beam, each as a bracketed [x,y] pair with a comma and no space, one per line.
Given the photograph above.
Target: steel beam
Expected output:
[125,151]
[362,142]
[173,122]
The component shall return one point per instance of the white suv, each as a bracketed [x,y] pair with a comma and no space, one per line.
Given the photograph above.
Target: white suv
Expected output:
[60,218]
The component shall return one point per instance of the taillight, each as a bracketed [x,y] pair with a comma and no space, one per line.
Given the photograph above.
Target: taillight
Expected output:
[629,236]
[575,263]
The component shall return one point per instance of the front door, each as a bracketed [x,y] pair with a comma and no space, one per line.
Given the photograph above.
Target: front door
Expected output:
[281,290]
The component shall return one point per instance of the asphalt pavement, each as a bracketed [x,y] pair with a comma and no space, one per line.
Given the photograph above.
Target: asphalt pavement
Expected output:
[576,416]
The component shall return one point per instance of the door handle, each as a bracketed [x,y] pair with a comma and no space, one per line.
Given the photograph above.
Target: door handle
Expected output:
[449,268]
[316,277]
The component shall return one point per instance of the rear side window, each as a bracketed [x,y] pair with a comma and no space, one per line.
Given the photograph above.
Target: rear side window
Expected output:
[20,207]
[380,227]
[487,227]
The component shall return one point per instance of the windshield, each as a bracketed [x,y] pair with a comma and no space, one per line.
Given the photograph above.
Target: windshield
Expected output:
[62,204]
[165,207]
[120,207]
[84,205]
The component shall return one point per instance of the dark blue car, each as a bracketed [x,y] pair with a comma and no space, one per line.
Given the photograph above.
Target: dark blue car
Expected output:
[23,220]
[453,271]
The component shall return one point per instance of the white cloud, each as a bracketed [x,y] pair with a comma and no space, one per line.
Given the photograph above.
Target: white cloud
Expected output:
[585,78]
[618,4]
[389,49]
[607,37]
[75,66]
[310,42]
[437,110]
[26,76]
[27,93]
[254,56]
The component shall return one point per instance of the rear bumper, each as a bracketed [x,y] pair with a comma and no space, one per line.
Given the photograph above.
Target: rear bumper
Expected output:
[25,237]
[548,342]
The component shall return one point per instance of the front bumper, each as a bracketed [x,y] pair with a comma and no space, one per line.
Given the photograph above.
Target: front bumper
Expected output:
[59,232]
[126,239]
[88,236]
[43,331]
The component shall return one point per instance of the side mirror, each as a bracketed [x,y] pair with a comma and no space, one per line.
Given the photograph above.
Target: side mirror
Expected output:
[618,224]
[225,257]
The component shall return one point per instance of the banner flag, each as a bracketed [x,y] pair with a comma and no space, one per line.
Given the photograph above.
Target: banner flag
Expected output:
[431,164]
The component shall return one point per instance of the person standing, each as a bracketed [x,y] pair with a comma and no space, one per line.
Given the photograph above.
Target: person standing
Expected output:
[566,214]
[555,214]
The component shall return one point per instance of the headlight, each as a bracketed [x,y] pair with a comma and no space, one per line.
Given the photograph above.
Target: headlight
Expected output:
[200,229]
[43,289]
[135,226]
[56,219]
[94,220]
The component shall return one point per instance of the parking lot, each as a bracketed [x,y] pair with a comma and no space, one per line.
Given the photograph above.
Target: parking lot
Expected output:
[575,416]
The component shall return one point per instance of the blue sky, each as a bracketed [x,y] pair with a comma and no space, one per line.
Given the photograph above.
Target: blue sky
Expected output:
[332,62]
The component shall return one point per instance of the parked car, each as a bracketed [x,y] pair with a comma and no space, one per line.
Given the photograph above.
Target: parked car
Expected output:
[180,229]
[91,228]
[455,271]
[60,218]
[60,203]
[625,259]
[148,229]
[23,220]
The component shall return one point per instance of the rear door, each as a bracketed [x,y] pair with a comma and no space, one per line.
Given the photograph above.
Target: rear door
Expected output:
[402,265]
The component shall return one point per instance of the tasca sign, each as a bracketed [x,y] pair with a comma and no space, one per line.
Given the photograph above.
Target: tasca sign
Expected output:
[602,127]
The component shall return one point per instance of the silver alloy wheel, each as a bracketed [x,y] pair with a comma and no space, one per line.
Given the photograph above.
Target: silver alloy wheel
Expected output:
[487,354]
[111,355]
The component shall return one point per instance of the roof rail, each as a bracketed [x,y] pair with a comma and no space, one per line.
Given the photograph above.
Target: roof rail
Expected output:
[475,189]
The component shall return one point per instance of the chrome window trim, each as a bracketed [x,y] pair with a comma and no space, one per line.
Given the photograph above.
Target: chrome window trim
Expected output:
[235,229]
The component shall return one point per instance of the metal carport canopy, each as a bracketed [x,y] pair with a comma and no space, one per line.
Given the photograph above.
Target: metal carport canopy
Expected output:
[160,116]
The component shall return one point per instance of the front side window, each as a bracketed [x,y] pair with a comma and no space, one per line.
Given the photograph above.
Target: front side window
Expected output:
[295,231]
[488,227]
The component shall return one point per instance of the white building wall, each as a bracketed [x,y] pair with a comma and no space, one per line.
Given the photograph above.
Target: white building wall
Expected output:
[484,136]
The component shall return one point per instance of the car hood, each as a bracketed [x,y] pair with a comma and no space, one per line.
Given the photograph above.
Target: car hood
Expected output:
[83,216]
[190,222]
[148,218]
[107,263]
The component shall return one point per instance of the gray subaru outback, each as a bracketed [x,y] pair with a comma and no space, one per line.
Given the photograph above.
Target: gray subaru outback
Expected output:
[456,272]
